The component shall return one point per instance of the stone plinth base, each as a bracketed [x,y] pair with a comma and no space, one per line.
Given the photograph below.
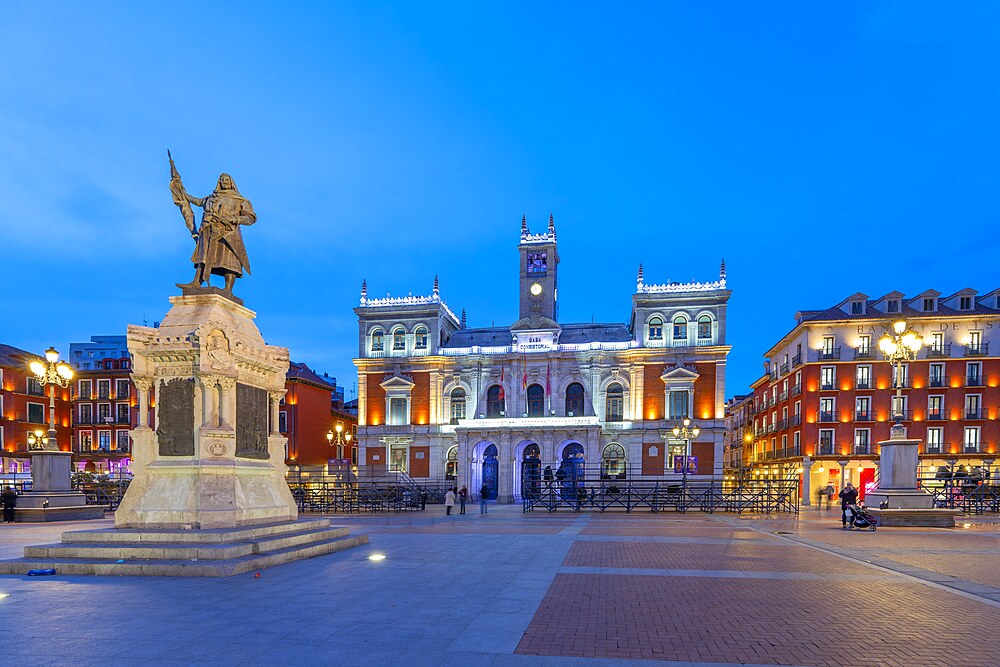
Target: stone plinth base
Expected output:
[184,553]
[931,518]
[38,506]
[900,498]
[50,470]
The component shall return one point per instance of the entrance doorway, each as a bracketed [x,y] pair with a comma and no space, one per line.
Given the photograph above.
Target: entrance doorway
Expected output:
[531,472]
[491,470]
[571,469]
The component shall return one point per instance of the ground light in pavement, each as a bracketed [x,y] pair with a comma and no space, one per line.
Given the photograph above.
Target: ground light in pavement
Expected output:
[377,557]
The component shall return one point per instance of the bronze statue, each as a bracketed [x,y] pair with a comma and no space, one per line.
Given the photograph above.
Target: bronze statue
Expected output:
[219,248]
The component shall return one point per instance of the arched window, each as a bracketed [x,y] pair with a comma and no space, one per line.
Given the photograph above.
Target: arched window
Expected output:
[656,328]
[613,462]
[532,451]
[377,343]
[574,400]
[457,404]
[680,328]
[536,401]
[704,327]
[398,340]
[451,464]
[614,407]
[420,338]
[495,402]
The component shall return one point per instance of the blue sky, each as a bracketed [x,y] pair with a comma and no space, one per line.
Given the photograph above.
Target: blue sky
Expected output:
[394,142]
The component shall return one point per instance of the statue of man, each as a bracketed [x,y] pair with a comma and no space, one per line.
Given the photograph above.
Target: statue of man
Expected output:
[219,248]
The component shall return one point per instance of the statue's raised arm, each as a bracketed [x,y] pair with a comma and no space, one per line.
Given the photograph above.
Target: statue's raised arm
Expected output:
[219,250]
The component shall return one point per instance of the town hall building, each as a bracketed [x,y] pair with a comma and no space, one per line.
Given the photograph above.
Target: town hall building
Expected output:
[480,406]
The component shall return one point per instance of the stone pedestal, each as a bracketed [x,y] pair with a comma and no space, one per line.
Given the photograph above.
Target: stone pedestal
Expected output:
[897,489]
[211,460]
[52,497]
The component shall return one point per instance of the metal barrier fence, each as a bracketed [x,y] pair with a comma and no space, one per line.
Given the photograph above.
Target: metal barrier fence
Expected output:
[969,493]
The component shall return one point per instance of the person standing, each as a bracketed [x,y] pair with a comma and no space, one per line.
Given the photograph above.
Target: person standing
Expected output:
[423,499]
[830,491]
[483,495]
[9,500]
[449,501]
[848,496]
[463,495]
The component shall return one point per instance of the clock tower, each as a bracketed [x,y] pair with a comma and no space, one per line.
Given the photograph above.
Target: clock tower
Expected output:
[538,273]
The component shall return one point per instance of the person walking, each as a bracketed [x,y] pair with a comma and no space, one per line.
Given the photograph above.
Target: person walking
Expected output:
[483,496]
[9,500]
[423,499]
[830,491]
[848,496]
[463,495]
[449,501]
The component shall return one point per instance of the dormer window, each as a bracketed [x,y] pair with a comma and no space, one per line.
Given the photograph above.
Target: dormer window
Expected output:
[929,305]
[965,303]
[656,328]
[377,340]
[420,338]
[857,308]
[892,306]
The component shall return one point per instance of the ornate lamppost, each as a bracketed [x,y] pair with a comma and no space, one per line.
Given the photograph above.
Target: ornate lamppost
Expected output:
[687,433]
[51,372]
[900,346]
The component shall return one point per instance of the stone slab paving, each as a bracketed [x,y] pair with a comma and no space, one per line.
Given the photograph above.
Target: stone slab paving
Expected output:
[538,589]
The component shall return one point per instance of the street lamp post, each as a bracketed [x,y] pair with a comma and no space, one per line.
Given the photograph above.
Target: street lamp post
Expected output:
[51,372]
[340,439]
[900,346]
[687,433]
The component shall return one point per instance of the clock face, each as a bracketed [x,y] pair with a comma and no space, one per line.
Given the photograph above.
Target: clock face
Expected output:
[536,289]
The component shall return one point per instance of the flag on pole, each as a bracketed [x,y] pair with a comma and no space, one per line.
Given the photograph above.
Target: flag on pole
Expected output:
[501,392]
[524,378]
[548,379]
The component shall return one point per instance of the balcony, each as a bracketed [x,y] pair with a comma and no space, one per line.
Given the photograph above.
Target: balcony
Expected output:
[864,416]
[938,382]
[796,389]
[863,384]
[943,350]
[782,424]
[862,448]
[907,415]
[864,353]
[826,449]
[905,384]
[936,416]
[796,360]
[82,421]
[827,386]
[975,381]
[795,420]
[828,417]
[971,448]
[783,368]
[829,354]
[783,396]
[103,394]
[974,413]
[977,349]
[121,395]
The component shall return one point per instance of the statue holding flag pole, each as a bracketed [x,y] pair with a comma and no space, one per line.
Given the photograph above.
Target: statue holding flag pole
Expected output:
[219,250]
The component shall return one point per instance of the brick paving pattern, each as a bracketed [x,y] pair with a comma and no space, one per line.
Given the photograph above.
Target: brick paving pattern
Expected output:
[791,623]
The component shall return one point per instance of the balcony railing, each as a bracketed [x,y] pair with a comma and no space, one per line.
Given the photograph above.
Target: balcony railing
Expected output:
[977,350]
[936,416]
[863,384]
[864,353]
[121,395]
[783,368]
[974,381]
[828,354]
[783,396]
[782,424]
[943,350]
[825,448]
[827,386]
[795,420]
[796,389]
[827,417]
[971,448]
[906,414]
[862,448]
[936,382]
[974,413]
[864,416]
[905,384]
[796,360]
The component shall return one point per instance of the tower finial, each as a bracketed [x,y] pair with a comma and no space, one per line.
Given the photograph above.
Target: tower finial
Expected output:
[639,277]
[437,286]
[524,224]
[722,270]
[463,318]
[364,290]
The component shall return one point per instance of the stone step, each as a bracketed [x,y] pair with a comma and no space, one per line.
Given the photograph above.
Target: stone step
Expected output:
[199,536]
[182,550]
[183,567]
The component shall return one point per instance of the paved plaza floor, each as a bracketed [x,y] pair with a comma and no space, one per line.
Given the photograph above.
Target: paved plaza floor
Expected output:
[540,589]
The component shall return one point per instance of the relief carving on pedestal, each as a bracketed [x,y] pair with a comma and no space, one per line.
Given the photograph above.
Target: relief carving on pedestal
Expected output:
[251,422]
[175,417]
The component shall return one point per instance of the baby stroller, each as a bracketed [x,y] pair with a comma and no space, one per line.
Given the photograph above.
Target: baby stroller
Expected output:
[858,517]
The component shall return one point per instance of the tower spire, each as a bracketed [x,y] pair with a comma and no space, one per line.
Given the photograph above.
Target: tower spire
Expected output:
[552,226]
[437,286]
[722,270]
[524,225]
[463,318]
[364,290]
